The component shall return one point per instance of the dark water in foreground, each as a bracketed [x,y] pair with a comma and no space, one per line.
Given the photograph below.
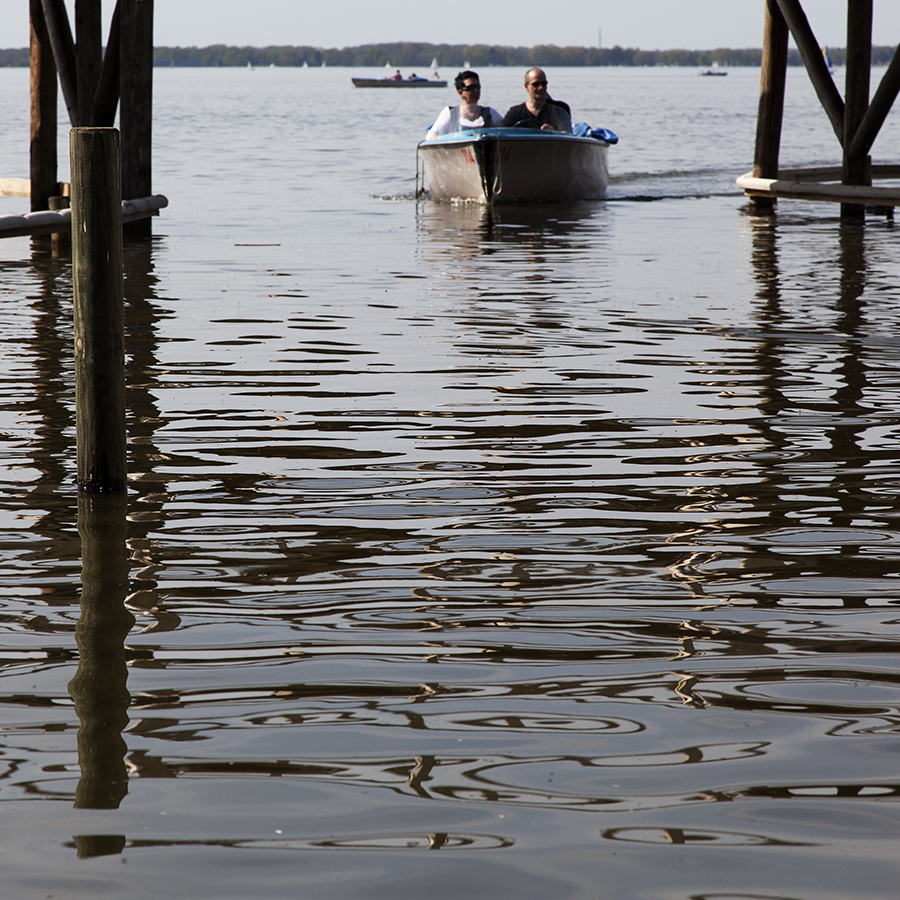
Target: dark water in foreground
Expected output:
[548,554]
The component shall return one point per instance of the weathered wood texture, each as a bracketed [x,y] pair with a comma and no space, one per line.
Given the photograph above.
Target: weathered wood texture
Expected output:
[88,55]
[97,261]
[43,156]
[881,104]
[53,221]
[859,69]
[136,95]
[106,99]
[63,44]
[847,195]
[811,53]
[771,96]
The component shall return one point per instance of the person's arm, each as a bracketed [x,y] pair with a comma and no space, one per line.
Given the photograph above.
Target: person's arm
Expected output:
[441,125]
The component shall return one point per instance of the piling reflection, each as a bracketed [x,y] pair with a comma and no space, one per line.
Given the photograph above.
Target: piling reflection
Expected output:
[99,687]
[803,475]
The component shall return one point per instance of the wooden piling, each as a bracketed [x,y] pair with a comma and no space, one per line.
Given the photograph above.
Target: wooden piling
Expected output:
[136,101]
[771,99]
[60,34]
[88,56]
[857,169]
[97,260]
[44,93]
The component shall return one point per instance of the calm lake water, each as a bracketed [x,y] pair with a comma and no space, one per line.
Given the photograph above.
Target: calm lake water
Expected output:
[562,541]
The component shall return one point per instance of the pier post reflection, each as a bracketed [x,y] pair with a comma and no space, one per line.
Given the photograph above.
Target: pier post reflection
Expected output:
[99,687]
[840,414]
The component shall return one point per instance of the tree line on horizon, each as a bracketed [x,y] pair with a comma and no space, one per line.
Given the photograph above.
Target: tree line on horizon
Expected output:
[414,56]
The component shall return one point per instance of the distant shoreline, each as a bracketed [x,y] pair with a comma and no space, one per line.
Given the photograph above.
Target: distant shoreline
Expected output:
[454,56]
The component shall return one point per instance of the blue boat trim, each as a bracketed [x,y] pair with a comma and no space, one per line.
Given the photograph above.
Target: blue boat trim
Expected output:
[521,134]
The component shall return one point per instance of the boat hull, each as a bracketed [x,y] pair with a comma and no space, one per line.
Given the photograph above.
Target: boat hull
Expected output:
[509,165]
[389,83]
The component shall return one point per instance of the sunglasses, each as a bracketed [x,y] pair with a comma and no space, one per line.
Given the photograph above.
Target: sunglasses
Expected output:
[537,84]
[470,87]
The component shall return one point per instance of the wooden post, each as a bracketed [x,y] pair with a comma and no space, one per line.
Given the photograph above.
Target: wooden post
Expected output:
[885,95]
[857,170]
[88,56]
[811,53]
[99,319]
[771,99]
[63,44]
[43,164]
[136,101]
[107,97]
[60,240]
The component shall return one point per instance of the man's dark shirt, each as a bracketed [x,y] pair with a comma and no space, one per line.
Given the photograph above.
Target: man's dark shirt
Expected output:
[521,113]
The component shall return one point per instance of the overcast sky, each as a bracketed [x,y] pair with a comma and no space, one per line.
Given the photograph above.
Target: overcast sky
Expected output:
[647,24]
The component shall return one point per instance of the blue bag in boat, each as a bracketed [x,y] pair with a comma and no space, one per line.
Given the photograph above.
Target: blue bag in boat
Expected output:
[582,129]
[604,134]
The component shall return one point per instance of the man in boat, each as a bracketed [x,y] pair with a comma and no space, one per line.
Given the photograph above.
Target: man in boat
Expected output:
[396,76]
[468,114]
[540,110]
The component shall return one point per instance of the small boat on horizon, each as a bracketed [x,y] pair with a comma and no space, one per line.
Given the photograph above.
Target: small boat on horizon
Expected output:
[508,165]
[714,70]
[398,82]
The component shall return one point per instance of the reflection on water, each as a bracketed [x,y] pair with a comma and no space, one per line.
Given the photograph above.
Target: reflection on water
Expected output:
[99,688]
[517,547]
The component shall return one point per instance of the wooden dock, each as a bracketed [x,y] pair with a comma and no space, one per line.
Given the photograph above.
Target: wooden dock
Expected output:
[856,121]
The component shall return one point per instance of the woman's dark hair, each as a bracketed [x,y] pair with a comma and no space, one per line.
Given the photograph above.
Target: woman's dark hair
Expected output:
[460,79]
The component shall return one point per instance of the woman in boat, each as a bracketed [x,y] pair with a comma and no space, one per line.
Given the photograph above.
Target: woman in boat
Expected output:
[468,114]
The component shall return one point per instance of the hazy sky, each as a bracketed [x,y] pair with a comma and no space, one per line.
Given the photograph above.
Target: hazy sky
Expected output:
[648,24]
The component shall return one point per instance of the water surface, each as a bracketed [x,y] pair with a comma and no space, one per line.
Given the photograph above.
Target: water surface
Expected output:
[560,540]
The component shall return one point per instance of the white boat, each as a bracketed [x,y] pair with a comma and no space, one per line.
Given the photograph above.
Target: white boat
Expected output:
[505,165]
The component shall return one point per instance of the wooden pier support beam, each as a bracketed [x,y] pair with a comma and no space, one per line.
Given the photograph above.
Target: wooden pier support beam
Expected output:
[106,100]
[97,271]
[44,93]
[88,55]
[811,53]
[888,89]
[857,170]
[771,99]
[63,44]
[136,92]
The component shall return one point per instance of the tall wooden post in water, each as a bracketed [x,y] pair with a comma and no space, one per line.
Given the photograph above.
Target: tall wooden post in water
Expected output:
[136,116]
[857,169]
[97,260]
[44,95]
[771,98]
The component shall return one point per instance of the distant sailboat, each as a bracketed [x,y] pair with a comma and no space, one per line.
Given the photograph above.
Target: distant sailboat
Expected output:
[827,57]
[305,65]
[250,66]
